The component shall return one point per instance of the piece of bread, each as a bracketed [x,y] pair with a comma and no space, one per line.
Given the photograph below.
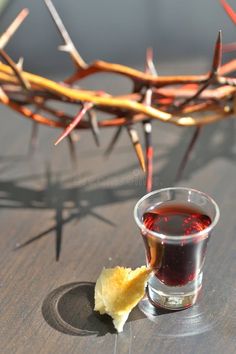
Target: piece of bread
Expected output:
[118,290]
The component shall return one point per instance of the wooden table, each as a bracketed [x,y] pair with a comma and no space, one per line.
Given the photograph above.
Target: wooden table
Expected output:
[83,217]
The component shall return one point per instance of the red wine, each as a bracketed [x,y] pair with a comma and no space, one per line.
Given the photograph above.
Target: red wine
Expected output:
[175,264]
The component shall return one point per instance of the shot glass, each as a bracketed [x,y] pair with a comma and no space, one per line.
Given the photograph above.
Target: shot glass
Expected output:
[176,224]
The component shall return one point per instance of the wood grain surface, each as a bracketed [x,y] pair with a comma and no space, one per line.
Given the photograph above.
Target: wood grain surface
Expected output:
[61,224]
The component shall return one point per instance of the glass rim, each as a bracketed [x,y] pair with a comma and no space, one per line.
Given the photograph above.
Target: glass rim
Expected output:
[176,237]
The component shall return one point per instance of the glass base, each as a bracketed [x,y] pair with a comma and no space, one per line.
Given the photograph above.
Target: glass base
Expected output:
[173,297]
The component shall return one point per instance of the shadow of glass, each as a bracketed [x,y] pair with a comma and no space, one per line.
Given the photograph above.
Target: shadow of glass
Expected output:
[195,320]
[69,309]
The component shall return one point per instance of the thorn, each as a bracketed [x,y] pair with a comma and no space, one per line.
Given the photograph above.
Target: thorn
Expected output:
[113,141]
[75,122]
[77,59]
[94,126]
[147,126]
[228,9]
[71,143]
[150,67]
[34,137]
[215,68]
[65,48]
[6,36]
[25,84]
[217,54]
[20,63]
[187,153]
[137,146]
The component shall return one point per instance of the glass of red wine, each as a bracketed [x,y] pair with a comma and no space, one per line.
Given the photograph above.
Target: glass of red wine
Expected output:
[176,224]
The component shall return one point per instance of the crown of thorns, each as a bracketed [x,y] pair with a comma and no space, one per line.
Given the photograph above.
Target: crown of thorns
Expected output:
[186,100]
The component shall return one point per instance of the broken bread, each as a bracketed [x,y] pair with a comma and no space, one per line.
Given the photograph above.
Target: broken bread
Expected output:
[118,290]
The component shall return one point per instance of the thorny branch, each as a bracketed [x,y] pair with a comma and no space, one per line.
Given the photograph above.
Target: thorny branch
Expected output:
[193,100]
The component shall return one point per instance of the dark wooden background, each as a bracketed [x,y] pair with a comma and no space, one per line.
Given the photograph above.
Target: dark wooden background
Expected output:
[84,217]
